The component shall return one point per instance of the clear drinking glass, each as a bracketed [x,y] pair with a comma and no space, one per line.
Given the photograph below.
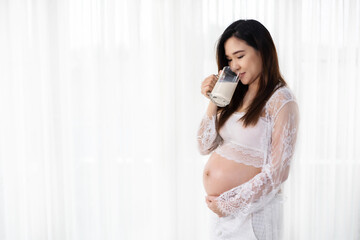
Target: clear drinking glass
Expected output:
[224,88]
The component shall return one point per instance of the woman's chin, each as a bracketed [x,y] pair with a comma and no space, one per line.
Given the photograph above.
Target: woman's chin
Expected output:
[244,82]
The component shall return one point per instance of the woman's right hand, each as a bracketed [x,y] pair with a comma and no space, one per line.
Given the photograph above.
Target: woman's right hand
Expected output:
[208,84]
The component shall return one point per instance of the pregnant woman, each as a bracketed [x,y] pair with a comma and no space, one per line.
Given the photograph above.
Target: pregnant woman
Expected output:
[251,140]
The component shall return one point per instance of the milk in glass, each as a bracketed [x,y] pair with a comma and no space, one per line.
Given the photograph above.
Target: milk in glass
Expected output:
[224,88]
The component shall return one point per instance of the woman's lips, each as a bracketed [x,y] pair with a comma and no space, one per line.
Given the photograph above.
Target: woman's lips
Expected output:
[241,75]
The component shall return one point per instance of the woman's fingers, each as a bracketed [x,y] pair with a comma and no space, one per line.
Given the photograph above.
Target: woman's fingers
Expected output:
[207,88]
[211,80]
[208,85]
[211,198]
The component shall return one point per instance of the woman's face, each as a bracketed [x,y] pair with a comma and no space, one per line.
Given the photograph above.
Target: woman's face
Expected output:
[244,60]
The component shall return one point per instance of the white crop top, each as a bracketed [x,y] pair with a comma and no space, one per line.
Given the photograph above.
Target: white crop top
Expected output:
[243,145]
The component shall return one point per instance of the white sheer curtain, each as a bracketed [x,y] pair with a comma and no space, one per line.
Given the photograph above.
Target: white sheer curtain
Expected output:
[100,102]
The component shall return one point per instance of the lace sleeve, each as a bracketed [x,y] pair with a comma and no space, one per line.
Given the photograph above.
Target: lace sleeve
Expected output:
[208,138]
[257,192]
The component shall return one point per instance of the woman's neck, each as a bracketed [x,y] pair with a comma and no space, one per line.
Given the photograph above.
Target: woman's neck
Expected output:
[249,96]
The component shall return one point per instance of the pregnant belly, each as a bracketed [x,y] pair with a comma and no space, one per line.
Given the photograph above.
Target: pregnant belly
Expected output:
[221,174]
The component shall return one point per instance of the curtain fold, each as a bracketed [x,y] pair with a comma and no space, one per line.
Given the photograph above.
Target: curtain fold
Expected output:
[100,103]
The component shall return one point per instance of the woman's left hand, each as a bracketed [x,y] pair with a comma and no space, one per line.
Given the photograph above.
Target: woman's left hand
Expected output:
[212,204]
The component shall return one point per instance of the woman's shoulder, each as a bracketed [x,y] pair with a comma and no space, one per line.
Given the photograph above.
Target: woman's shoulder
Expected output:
[283,93]
[278,99]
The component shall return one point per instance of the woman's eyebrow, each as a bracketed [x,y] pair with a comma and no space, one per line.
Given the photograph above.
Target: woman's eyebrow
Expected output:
[235,52]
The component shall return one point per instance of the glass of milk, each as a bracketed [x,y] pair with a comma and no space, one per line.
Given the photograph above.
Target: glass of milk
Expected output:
[224,88]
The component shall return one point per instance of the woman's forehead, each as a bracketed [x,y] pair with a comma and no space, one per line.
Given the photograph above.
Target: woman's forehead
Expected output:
[234,45]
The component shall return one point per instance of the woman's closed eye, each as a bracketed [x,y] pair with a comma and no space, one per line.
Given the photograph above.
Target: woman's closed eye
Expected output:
[229,60]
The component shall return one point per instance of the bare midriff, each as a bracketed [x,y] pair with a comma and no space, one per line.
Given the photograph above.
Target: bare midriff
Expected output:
[221,174]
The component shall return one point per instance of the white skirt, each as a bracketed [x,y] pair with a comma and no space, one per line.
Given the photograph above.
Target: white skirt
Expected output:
[231,228]
[265,224]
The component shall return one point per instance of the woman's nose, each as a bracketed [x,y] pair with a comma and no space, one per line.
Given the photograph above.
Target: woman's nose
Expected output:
[234,66]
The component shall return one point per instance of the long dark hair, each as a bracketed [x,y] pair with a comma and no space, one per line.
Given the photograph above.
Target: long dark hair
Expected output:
[258,37]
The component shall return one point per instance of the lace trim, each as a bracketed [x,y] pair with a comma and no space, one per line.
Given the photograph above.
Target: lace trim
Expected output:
[208,137]
[237,200]
[241,154]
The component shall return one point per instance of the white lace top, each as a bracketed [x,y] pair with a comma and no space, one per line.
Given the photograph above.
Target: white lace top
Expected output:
[269,145]
[247,147]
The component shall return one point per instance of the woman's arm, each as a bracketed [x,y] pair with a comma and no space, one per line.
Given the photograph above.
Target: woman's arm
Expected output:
[257,192]
[208,138]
